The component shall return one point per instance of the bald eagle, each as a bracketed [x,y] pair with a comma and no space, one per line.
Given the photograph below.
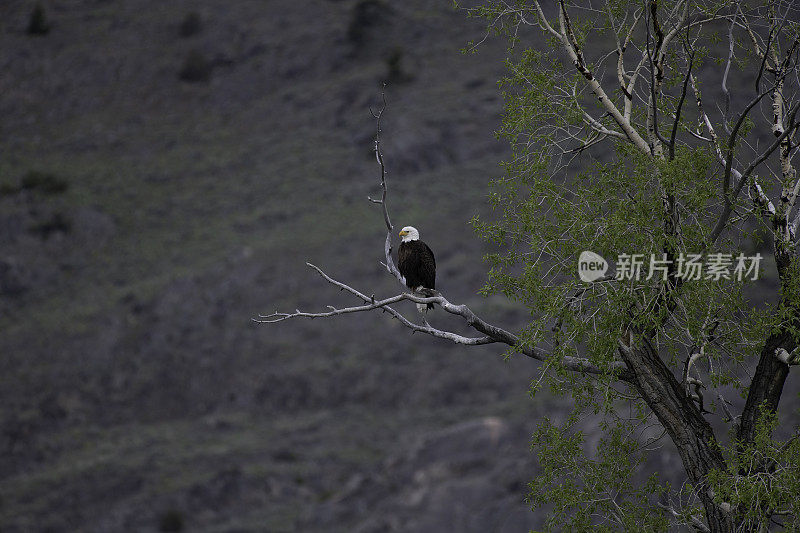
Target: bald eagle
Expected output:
[416,263]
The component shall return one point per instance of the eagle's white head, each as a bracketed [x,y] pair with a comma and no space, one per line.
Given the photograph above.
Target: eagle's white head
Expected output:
[409,233]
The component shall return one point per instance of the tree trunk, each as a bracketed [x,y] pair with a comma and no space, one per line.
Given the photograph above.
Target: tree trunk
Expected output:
[684,423]
[767,385]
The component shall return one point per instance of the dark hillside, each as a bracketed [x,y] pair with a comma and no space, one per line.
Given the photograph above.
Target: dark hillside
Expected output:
[166,170]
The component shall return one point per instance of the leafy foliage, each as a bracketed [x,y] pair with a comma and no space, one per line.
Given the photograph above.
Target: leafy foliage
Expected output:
[763,478]
[593,493]
[579,181]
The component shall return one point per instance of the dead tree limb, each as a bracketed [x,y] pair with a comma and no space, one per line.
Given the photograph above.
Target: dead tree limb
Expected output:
[490,333]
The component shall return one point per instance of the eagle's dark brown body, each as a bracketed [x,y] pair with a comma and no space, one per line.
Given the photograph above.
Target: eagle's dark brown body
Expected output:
[417,264]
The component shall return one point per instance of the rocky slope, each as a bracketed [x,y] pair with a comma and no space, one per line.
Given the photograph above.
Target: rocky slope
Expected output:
[166,169]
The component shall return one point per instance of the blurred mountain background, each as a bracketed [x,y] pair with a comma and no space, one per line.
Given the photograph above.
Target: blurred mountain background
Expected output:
[166,170]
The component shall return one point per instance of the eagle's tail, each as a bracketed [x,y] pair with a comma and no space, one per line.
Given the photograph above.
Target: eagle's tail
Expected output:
[424,291]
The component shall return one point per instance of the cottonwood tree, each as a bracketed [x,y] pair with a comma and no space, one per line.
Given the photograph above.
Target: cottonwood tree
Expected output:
[666,129]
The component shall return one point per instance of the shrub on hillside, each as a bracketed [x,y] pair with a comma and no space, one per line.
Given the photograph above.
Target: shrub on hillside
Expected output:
[37,24]
[171,521]
[36,181]
[196,68]
[55,223]
[192,25]
[396,72]
[44,182]
[365,15]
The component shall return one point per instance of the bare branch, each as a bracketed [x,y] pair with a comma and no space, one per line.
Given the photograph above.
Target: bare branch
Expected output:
[790,359]
[729,417]
[656,75]
[760,51]
[696,523]
[597,126]
[389,262]
[796,224]
[764,66]
[725,89]
[492,334]
[570,45]
[632,85]
[621,78]
[657,58]
[730,201]
[726,178]
[761,199]
[690,63]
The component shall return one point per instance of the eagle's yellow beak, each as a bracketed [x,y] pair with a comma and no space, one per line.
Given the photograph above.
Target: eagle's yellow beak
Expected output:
[403,233]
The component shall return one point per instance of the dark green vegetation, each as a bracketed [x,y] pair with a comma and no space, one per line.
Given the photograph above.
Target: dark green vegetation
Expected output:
[196,67]
[144,221]
[37,24]
[192,24]
[607,158]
